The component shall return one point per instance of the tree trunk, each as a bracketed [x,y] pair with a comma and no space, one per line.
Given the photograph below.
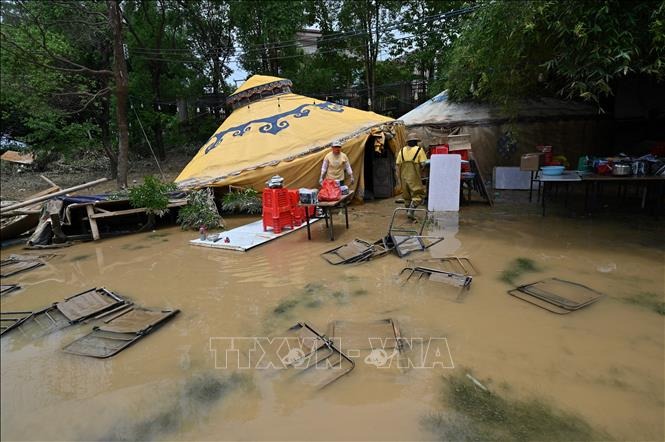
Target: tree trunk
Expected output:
[121,91]
[105,127]
[216,80]
[157,124]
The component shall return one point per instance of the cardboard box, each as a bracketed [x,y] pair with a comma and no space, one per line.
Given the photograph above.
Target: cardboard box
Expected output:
[531,161]
[459,142]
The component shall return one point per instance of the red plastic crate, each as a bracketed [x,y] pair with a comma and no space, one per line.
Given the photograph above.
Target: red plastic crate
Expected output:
[297,211]
[440,150]
[277,209]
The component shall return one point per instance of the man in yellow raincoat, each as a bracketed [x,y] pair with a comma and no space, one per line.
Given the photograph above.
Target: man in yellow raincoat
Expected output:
[410,160]
[335,165]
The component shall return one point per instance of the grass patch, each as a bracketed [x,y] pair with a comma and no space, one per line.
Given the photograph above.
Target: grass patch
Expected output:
[517,268]
[312,288]
[360,292]
[489,416]
[157,235]
[194,399]
[648,300]
[285,306]
[314,303]
[133,247]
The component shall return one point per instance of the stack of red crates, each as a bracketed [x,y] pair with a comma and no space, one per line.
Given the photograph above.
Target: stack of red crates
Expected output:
[444,149]
[277,209]
[298,211]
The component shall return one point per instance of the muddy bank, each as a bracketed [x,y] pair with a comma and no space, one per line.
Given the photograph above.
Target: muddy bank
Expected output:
[602,364]
[17,183]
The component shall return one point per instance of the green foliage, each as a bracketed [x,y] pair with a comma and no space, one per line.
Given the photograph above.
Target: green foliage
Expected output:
[152,194]
[200,210]
[46,107]
[260,29]
[579,50]
[247,201]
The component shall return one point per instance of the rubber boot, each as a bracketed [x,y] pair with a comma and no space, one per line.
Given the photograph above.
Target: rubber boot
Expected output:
[410,213]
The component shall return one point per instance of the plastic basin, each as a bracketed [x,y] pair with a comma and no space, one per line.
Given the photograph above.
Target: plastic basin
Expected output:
[552,170]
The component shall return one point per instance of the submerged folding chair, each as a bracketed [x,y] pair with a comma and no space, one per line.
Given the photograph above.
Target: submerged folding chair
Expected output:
[4,289]
[12,320]
[456,279]
[453,264]
[405,239]
[12,266]
[119,332]
[355,251]
[367,335]
[72,310]
[323,362]
[557,295]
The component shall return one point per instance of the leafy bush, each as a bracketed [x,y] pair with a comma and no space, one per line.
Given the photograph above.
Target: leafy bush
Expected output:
[247,201]
[153,195]
[200,210]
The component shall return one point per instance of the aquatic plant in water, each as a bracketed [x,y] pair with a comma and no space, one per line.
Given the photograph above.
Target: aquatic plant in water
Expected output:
[196,395]
[651,301]
[490,416]
[517,268]
[285,306]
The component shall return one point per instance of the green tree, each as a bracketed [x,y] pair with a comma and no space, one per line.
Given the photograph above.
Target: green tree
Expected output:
[428,29]
[60,55]
[578,50]
[210,34]
[266,32]
[367,24]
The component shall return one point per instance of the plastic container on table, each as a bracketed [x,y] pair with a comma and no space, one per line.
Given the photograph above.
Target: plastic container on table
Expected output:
[552,170]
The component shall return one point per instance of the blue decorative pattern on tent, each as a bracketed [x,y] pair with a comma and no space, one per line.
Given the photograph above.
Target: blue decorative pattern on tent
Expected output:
[271,125]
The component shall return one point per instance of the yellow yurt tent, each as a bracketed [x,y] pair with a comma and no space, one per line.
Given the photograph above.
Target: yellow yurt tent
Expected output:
[275,132]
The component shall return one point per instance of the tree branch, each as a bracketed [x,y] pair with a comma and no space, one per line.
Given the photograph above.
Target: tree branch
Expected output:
[30,57]
[100,93]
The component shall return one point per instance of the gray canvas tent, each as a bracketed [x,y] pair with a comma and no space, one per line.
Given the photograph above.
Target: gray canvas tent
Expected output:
[572,129]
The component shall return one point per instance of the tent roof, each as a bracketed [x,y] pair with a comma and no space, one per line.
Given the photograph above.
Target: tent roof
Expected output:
[257,80]
[440,111]
[277,128]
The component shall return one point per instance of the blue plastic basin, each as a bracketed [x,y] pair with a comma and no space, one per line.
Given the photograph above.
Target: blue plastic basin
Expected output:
[552,170]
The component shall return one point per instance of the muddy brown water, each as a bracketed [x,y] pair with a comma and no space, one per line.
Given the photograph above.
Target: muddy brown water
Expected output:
[604,363]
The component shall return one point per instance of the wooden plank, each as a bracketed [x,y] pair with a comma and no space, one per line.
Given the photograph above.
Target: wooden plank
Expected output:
[93,222]
[53,195]
[49,181]
[107,214]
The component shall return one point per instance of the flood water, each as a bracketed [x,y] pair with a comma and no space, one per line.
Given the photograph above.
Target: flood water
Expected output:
[604,363]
